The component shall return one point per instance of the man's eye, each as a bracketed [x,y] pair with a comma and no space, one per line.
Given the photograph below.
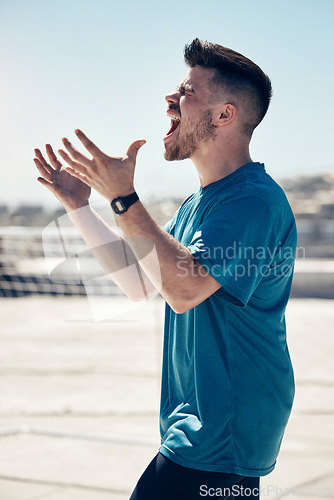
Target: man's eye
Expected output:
[184,90]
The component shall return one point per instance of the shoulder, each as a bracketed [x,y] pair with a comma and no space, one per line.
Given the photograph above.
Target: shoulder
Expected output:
[255,192]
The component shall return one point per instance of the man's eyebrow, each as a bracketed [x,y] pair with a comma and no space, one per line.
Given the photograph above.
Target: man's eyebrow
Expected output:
[186,86]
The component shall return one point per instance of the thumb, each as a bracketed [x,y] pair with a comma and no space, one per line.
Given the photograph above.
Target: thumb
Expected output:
[134,148]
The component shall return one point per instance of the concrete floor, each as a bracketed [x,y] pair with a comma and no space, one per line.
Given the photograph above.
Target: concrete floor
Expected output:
[79,399]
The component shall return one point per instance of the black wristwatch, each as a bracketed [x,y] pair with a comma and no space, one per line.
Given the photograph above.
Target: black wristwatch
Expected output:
[121,204]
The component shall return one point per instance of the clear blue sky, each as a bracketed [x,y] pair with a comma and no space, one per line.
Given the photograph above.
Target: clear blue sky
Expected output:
[105,66]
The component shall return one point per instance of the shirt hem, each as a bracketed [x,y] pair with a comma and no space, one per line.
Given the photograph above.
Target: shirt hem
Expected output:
[228,468]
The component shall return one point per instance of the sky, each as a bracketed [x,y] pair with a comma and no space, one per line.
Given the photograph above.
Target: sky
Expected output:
[105,67]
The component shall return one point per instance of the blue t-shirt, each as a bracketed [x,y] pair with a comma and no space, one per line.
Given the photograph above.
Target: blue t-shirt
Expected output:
[227,379]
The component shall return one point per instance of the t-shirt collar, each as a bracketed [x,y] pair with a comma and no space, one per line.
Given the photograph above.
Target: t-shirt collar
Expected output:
[231,177]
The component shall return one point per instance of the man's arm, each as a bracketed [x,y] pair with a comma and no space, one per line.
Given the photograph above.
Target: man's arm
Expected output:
[184,282]
[112,251]
[115,254]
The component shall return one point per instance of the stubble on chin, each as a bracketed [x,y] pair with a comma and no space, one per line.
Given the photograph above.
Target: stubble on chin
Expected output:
[178,153]
[184,147]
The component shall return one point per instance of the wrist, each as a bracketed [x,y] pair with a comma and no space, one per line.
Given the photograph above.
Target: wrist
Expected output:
[121,193]
[71,207]
[121,204]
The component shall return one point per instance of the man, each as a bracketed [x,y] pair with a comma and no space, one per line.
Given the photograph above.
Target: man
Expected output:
[226,261]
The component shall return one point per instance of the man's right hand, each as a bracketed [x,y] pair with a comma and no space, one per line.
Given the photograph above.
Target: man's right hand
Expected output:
[70,191]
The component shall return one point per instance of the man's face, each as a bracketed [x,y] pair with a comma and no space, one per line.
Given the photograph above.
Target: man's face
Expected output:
[191,115]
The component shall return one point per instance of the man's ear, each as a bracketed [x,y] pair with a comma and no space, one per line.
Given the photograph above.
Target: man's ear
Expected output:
[225,115]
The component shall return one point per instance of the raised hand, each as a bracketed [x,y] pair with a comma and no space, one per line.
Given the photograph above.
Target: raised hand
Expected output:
[110,176]
[71,192]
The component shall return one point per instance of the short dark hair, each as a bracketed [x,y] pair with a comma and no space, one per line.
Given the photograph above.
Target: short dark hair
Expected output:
[240,76]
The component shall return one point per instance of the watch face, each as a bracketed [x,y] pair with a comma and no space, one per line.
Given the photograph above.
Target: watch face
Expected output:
[118,206]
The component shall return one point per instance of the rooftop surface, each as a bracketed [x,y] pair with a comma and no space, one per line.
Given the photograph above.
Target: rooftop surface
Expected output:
[79,399]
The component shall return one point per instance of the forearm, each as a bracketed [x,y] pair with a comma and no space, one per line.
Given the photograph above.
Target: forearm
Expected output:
[179,273]
[113,252]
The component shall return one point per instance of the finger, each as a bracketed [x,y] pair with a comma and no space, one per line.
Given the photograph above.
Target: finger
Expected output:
[52,187]
[81,169]
[82,178]
[42,170]
[52,157]
[43,161]
[134,148]
[75,153]
[89,145]
[47,184]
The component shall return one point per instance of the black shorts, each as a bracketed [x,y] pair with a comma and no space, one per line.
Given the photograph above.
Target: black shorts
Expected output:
[166,480]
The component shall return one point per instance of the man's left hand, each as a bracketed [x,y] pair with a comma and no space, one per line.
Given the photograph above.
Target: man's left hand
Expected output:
[110,176]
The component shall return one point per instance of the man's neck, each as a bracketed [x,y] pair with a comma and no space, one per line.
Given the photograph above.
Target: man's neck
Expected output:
[213,164]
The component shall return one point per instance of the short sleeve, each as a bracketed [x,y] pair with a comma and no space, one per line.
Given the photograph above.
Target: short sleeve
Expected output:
[168,225]
[236,243]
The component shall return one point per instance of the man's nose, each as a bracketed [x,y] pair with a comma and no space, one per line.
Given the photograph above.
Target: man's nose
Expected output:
[173,97]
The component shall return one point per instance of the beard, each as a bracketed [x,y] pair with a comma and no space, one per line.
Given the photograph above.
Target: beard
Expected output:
[188,142]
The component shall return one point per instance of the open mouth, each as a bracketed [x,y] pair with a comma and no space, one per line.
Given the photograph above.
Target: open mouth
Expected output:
[175,122]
